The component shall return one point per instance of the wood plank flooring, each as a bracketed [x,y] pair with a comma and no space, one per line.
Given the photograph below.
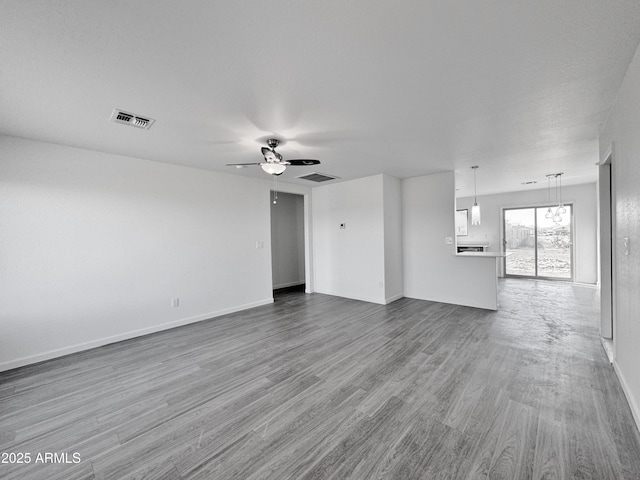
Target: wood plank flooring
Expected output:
[316,386]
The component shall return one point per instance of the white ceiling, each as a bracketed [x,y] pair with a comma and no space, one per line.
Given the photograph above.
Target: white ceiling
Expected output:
[520,88]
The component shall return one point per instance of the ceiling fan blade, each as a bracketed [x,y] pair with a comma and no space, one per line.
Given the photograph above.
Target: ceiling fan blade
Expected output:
[236,164]
[303,162]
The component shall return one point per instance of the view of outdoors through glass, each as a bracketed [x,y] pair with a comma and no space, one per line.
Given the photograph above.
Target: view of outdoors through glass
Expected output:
[550,256]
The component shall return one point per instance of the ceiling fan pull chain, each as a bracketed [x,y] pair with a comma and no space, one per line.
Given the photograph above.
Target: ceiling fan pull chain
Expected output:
[275,189]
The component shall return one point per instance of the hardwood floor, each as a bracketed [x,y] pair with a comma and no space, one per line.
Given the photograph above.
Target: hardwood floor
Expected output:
[315,386]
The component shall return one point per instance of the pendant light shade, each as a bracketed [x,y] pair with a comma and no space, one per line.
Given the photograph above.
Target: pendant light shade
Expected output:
[475,208]
[475,214]
[273,168]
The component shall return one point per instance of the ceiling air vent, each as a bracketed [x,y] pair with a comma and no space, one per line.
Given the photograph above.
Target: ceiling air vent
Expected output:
[317,177]
[131,119]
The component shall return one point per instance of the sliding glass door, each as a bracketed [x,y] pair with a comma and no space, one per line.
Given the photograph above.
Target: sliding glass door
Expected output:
[538,246]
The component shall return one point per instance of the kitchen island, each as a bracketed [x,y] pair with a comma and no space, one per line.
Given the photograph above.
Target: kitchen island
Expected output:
[488,287]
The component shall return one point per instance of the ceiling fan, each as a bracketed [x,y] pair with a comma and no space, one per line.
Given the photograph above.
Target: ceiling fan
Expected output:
[273,163]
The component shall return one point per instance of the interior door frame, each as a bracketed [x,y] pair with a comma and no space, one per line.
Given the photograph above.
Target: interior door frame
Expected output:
[607,246]
[535,220]
[309,272]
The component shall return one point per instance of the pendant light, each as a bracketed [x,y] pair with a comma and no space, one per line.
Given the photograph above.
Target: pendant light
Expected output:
[549,214]
[475,208]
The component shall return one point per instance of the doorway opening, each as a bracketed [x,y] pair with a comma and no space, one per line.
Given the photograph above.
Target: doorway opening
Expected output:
[288,258]
[538,245]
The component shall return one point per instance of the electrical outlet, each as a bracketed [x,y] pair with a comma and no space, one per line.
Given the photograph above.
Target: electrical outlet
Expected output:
[175,302]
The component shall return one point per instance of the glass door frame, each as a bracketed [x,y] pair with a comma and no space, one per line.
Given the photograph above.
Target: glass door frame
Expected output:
[535,233]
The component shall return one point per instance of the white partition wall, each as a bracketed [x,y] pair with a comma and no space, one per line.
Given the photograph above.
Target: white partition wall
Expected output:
[622,130]
[431,269]
[358,239]
[348,226]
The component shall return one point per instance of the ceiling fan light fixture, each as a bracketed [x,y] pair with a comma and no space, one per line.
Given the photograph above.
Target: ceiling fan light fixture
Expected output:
[273,163]
[273,168]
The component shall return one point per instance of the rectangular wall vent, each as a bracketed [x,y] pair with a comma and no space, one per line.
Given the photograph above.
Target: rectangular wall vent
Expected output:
[131,119]
[317,177]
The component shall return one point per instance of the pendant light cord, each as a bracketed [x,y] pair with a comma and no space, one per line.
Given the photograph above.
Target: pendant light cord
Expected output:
[275,189]
[475,186]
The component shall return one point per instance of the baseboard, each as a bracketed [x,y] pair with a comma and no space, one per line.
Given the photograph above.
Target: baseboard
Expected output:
[633,404]
[393,298]
[61,352]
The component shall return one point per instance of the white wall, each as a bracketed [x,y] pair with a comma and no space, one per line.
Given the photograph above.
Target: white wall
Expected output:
[287,240]
[349,262]
[431,269]
[393,268]
[585,214]
[93,247]
[623,131]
